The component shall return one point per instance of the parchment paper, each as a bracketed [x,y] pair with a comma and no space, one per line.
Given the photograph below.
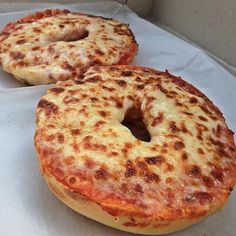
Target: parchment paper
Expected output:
[27,207]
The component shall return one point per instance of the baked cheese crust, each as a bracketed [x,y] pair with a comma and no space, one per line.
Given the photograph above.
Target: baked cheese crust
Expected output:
[184,173]
[56,45]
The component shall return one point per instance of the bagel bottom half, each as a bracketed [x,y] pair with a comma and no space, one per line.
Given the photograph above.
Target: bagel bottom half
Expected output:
[94,211]
[97,166]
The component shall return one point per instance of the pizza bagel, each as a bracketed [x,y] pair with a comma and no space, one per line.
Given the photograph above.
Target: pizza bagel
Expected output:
[53,45]
[95,164]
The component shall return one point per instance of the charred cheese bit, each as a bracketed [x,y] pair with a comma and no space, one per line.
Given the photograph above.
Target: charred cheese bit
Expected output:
[56,45]
[184,173]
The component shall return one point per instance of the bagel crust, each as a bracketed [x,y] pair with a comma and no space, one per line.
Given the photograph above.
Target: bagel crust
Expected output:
[53,45]
[97,167]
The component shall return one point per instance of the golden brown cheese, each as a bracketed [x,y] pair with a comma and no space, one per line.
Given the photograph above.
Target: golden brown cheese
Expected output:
[56,45]
[184,173]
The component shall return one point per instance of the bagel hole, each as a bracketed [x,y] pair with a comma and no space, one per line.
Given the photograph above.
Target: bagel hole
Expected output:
[74,35]
[133,120]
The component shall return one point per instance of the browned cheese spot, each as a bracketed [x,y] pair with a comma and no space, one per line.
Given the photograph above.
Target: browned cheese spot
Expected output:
[150,177]
[108,88]
[126,148]
[199,137]
[93,79]
[51,50]
[75,132]
[178,145]
[216,142]
[168,167]
[142,166]
[69,160]
[183,128]
[208,181]
[57,90]
[49,107]
[87,144]
[60,138]
[50,138]
[158,119]
[101,174]
[94,99]
[121,83]
[218,131]
[156,160]
[103,113]
[71,45]
[138,188]
[84,95]
[163,90]
[17,55]
[200,151]
[67,66]
[99,123]
[173,93]
[114,153]
[22,63]
[184,156]
[202,197]
[21,41]
[126,73]
[117,102]
[201,128]
[217,173]
[213,117]
[89,163]
[179,104]
[205,109]
[173,127]
[222,153]
[140,86]
[138,79]
[79,81]
[169,180]
[194,171]
[193,100]
[202,118]
[187,113]
[121,29]
[99,52]
[70,99]
[72,180]
[37,30]
[130,170]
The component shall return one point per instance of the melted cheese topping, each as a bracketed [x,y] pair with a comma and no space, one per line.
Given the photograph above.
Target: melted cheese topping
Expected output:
[186,170]
[51,46]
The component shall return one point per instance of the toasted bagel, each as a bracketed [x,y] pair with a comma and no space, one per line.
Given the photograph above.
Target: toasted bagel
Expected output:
[56,45]
[95,165]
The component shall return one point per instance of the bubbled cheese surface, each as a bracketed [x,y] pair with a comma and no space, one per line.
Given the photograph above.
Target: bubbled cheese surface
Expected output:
[56,45]
[185,171]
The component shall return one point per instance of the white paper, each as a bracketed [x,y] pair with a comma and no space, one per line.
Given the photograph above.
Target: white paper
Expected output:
[27,207]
